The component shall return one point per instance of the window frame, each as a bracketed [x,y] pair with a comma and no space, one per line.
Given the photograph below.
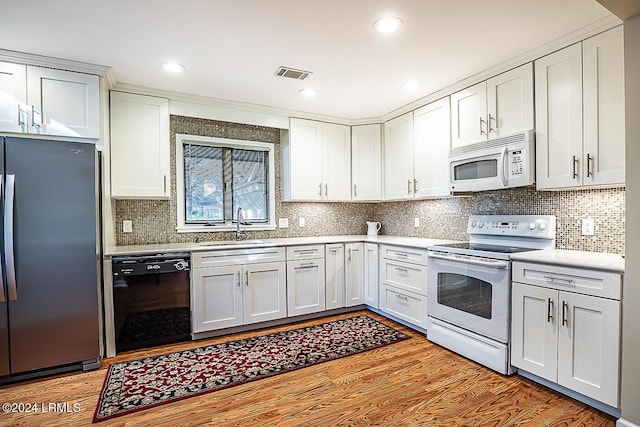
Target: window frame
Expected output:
[229,224]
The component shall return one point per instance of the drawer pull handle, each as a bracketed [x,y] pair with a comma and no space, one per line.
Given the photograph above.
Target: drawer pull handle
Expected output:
[402,297]
[401,254]
[549,311]
[310,265]
[403,270]
[560,280]
[565,308]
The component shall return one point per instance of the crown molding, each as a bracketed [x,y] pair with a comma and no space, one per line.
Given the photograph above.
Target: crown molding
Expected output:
[583,33]
[260,114]
[220,104]
[49,62]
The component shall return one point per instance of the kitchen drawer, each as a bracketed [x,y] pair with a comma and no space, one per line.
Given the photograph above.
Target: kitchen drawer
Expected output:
[236,256]
[584,281]
[404,305]
[399,253]
[403,275]
[305,252]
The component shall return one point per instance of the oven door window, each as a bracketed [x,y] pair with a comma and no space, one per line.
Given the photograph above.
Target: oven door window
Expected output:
[465,293]
[476,169]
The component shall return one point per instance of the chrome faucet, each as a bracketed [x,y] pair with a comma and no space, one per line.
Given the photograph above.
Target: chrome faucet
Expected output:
[240,234]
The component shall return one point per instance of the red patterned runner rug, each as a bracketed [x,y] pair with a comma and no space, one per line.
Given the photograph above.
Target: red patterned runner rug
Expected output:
[145,383]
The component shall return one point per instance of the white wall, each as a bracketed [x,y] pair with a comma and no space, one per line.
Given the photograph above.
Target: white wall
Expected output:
[631,291]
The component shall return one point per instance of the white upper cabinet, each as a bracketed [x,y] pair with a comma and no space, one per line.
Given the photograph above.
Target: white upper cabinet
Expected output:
[49,102]
[500,106]
[13,97]
[604,124]
[67,103]
[139,147]
[416,151]
[336,161]
[432,141]
[469,115]
[366,162]
[559,118]
[317,161]
[581,146]
[398,157]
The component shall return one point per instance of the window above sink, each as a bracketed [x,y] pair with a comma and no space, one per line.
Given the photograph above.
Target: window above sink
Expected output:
[216,176]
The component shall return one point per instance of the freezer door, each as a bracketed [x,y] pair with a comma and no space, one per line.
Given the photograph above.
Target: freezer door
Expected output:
[4,324]
[53,312]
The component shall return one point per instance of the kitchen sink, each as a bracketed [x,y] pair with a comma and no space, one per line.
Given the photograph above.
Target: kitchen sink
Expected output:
[234,242]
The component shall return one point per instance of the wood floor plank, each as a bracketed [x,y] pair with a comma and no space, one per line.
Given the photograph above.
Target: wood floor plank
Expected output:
[410,383]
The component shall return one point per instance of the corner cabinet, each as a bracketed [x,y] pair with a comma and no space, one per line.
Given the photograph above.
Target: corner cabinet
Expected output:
[230,288]
[366,162]
[497,107]
[566,327]
[44,101]
[316,160]
[334,276]
[371,275]
[140,155]
[580,111]
[354,274]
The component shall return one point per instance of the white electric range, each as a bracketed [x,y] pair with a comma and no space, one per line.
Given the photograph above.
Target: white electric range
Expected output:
[469,285]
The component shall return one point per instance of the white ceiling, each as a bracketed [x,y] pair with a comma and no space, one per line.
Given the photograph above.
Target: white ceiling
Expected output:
[232,48]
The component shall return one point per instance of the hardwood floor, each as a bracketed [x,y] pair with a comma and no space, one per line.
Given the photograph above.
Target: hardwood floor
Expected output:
[410,383]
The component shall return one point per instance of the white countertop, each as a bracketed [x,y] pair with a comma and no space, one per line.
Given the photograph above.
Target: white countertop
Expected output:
[580,259]
[415,242]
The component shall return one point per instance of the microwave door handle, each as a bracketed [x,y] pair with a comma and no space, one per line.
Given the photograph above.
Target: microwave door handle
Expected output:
[503,176]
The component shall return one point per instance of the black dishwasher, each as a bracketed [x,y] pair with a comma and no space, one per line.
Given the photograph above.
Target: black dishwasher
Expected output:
[151,300]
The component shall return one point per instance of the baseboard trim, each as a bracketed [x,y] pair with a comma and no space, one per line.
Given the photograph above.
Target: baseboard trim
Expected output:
[624,423]
[614,412]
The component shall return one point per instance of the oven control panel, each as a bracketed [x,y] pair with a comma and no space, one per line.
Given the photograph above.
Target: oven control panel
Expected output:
[541,226]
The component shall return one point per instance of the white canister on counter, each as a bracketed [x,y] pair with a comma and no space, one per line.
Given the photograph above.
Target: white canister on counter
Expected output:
[373,227]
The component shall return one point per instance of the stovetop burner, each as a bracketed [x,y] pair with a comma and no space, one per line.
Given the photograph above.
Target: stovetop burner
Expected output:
[499,236]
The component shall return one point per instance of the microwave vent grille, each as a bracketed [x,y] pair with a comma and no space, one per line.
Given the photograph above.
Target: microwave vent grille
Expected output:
[499,142]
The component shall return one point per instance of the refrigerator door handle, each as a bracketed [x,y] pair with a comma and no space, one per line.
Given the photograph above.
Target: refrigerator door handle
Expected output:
[8,237]
[3,297]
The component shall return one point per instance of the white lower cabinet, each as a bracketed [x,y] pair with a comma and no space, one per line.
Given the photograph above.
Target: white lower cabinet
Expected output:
[305,280]
[371,291]
[354,274]
[407,306]
[224,296]
[334,286]
[562,334]
[403,283]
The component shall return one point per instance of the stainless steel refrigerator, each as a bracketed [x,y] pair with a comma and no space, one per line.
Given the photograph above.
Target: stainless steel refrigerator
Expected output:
[49,309]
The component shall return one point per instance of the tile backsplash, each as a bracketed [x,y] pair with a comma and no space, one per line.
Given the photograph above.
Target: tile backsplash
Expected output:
[154,221]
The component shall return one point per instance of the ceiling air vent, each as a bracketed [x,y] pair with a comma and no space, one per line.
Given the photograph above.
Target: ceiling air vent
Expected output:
[292,73]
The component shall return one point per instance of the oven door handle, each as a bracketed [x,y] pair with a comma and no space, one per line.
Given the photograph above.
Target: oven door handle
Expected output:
[482,262]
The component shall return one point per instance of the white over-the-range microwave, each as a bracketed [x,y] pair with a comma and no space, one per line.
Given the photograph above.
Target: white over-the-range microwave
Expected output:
[494,164]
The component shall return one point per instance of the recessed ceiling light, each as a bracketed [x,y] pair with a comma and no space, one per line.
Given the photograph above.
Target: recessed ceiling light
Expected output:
[411,85]
[388,24]
[308,92]
[173,67]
